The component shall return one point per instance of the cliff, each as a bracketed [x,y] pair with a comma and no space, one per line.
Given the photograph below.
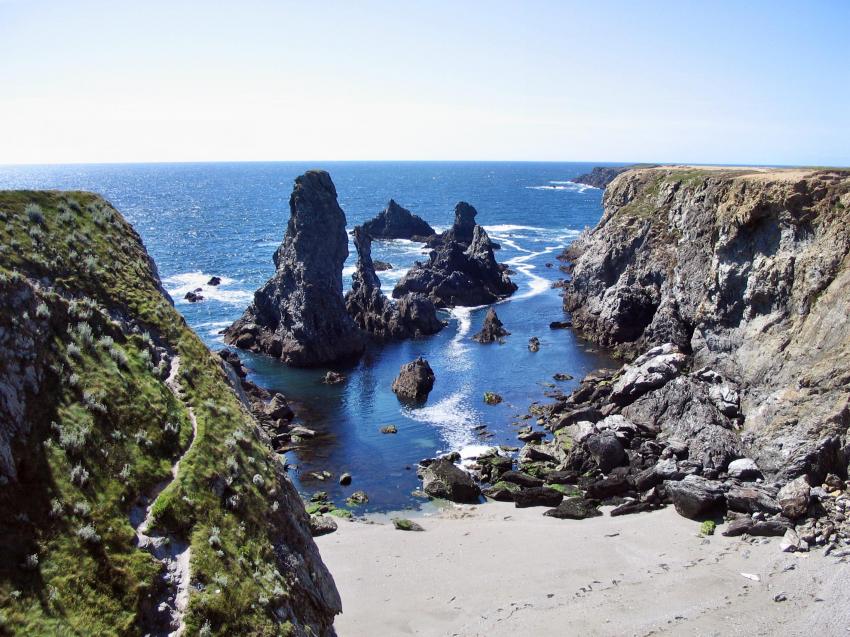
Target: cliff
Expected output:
[138,495]
[747,272]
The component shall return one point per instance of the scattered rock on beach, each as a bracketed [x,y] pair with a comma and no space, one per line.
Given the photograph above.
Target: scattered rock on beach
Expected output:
[443,479]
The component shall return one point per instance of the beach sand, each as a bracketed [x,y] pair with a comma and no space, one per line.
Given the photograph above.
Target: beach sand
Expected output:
[497,570]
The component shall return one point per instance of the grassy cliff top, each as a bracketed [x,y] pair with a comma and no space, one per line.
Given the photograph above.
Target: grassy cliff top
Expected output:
[95,426]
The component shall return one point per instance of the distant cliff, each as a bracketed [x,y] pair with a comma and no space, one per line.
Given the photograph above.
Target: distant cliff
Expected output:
[138,495]
[601,176]
[747,271]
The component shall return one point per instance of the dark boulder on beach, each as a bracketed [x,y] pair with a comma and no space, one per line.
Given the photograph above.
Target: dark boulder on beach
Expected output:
[396,222]
[414,382]
[574,508]
[411,316]
[443,479]
[299,315]
[462,269]
[493,330]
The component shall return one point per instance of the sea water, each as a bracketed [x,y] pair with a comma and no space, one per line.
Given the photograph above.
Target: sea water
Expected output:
[226,219]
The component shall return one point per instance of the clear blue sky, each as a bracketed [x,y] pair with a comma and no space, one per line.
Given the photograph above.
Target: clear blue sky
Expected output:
[684,81]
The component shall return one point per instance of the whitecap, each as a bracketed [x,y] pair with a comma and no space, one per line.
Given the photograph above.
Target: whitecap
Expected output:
[453,416]
[179,284]
[507,227]
[564,185]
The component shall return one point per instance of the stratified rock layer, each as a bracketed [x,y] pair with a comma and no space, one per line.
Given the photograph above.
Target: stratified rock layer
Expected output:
[395,222]
[299,315]
[462,270]
[747,271]
[412,316]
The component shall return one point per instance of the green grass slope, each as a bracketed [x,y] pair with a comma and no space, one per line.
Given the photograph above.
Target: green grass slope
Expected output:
[89,428]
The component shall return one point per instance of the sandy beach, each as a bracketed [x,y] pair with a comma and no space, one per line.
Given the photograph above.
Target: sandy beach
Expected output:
[497,570]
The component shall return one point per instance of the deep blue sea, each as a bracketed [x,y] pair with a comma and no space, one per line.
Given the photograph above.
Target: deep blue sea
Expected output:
[226,219]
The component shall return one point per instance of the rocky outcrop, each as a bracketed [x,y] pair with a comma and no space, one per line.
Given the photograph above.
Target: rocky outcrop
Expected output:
[395,222]
[600,176]
[414,382]
[493,330]
[412,316]
[299,315]
[461,270]
[746,272]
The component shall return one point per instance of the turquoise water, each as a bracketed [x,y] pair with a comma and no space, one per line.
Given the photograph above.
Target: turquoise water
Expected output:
[199,220]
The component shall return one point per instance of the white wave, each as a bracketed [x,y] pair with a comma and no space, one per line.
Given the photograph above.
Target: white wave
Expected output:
[179,284]
[564,185]
[507,227]
[391,275]
[348,270]
[457,351]
[453,416]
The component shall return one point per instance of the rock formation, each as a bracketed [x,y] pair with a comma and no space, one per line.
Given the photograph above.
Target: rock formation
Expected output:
[601,176]
[104,389]
[414,382]
[412,316]
[746,271]
[299,315]
[395,222]
[493,331]
[462,270]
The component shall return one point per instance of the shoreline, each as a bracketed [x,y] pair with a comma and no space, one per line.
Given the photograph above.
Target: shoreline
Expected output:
[498,570]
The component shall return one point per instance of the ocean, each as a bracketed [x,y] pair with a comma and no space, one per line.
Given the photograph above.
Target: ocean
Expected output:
[226,219]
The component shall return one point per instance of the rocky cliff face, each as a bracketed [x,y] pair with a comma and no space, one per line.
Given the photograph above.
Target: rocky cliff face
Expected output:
[138,494]
[299,314]
[396,222]
[462,270]
[746,271]
[412,316]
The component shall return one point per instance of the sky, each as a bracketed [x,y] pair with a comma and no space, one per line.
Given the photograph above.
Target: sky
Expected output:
[686,81]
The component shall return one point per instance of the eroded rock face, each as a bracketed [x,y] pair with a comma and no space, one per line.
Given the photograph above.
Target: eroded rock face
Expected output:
[395,222]
[493,331]
[462,270]
[415,381]
[412,316]
[299,315]
[746,272]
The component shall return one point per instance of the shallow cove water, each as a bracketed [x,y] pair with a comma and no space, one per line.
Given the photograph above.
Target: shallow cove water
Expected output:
[200,220]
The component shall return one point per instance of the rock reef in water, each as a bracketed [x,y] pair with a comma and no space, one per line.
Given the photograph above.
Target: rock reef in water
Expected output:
[412,316]
[396,222]
[462,269]
[414,382]
[299,315]
[493,331]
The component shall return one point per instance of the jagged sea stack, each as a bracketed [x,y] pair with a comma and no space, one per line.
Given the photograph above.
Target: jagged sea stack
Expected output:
[396,222]
[462,270]
[412,316]
[493,330]
[299,314]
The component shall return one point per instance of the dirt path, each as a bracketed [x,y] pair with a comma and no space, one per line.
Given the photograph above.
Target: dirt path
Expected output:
[173,552]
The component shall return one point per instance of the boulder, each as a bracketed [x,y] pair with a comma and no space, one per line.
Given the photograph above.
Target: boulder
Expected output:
[609,487]
[403,524]
[560,325]
[793,498]
[493,331]
[521,479]
[396,222]
[194,296]
[299,315]
[322,525]
[574,508]
[462,270]
[752,499]
[279,409]
[774,527]
[345,479]
[534,344]
[695,496]
[502,491]
[443,479]
[537,497]
[792,543]
[649,371]
[333,378]
[414,382]
[744,469]
[214,281]
[382,266]
[606,450]
[636,506]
